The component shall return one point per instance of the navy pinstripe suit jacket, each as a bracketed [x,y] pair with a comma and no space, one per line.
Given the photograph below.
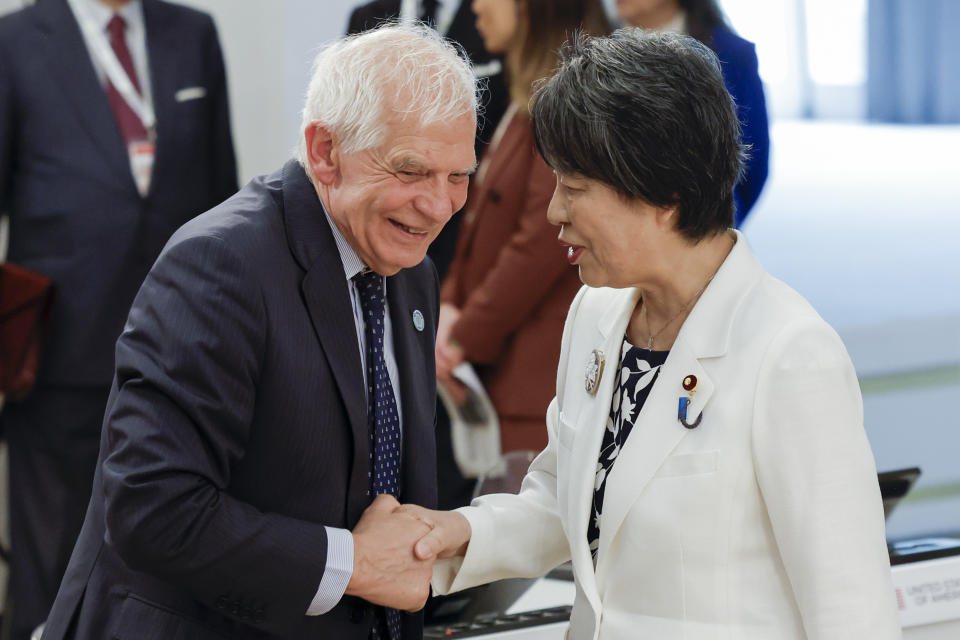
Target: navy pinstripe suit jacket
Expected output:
[236,429]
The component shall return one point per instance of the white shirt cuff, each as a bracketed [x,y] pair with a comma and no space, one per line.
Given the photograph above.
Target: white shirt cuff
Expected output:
[337,574]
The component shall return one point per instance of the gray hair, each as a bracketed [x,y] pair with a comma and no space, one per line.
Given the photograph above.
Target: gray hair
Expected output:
[408,69]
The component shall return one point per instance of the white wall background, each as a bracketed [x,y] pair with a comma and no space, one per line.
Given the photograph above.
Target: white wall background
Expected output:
[862,219]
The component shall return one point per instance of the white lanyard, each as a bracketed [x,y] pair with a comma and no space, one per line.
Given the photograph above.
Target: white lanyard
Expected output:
[111,66]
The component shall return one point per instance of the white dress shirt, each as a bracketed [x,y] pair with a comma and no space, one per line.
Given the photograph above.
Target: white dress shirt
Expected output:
[135,35]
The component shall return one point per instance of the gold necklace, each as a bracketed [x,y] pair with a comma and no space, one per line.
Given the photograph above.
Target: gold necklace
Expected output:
[646,317]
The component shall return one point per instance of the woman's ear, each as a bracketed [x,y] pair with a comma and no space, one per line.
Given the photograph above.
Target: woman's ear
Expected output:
[322,153]
[667,217]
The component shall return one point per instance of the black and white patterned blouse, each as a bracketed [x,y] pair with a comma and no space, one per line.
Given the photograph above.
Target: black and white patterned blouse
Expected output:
[638,371]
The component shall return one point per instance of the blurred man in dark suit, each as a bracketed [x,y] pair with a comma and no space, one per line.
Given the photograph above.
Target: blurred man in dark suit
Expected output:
[455,20]
[114,131]
[276,372]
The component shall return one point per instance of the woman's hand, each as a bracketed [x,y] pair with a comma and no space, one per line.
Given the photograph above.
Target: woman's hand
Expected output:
[449,315]
[449,533]
[448,353]
[385,569]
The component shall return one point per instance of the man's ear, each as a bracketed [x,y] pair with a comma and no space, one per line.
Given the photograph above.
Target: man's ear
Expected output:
[322,153]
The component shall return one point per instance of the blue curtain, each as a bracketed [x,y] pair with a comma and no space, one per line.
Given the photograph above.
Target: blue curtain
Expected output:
[913,61]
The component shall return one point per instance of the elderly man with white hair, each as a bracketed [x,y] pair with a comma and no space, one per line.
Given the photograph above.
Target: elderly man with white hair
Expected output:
[274,390]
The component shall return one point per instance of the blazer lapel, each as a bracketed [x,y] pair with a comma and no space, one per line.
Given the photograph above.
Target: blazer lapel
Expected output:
[327,299]
[70,61]
[162,54]
[418,404]
[514,137]
[589,428]
[505,150]
[658,431]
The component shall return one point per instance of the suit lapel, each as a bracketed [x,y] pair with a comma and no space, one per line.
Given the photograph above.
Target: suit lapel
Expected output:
[327,299]
[463,31]
[70,61]
[162,58]
[418,405]
[607,337]
[378,13]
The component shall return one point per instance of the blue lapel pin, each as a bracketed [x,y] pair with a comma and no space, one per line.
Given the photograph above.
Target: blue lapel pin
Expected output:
[690,386]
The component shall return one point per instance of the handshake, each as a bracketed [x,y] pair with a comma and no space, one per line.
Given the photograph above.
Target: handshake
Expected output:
[394,548]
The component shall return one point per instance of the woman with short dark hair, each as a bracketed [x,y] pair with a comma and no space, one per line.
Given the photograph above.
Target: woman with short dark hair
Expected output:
[669,144]
[707,472]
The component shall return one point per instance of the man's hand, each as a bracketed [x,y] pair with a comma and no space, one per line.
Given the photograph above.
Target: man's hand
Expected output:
[449,533]
[385,570]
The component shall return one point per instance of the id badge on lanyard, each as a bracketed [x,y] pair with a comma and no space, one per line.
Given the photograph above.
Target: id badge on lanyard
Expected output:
[142,154]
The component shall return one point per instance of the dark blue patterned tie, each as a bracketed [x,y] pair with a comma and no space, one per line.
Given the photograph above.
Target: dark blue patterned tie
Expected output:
[382,418]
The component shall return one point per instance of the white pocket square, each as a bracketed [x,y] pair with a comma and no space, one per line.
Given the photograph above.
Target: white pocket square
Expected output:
[189,93]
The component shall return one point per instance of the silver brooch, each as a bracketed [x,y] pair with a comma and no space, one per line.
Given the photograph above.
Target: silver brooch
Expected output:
[594,371]
[418,319]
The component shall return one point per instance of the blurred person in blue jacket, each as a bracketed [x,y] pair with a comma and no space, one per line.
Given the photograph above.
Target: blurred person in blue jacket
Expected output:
[704,20]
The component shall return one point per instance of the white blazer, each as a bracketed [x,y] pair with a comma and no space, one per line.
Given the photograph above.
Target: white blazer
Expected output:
[763,523]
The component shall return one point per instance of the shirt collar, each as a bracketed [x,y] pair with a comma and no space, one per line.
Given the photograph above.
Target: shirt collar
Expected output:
[446,11]
[352,264]
[677,25]
[132,13]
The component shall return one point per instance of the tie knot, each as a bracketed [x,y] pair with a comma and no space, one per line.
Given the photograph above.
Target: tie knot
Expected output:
[116,26]
[370,288]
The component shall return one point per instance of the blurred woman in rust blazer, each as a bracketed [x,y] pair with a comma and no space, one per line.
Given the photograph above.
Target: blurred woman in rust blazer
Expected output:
[505,298]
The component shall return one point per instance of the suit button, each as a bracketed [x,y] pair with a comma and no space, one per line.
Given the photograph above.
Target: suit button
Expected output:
[221,602]
[356,613]
[235,608]
[258,616]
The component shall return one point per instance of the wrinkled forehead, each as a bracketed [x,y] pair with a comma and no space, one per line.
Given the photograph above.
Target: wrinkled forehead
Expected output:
[444,146]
